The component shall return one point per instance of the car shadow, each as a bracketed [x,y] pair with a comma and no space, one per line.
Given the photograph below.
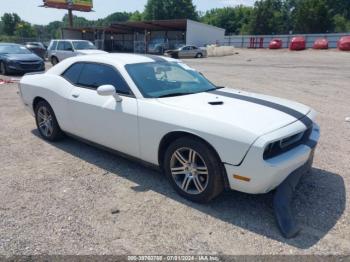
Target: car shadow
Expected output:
[319,201]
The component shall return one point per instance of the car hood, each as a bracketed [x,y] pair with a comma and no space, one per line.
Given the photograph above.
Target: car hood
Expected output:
[254,113]
[23,57]
[91,52]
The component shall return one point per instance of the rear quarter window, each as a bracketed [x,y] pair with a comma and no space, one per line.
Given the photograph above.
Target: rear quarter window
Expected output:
[73,72]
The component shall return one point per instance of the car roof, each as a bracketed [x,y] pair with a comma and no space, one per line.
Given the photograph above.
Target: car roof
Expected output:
[117,60]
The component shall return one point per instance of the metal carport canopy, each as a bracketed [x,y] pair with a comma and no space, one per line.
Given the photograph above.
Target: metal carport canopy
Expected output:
[155,25]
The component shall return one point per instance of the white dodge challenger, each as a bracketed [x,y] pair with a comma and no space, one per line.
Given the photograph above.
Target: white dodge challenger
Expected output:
[160,111]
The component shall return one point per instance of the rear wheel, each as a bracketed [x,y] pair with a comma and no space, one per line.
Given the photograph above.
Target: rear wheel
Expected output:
[46,122]
[3,69]
[54,60]
[199,55]
[193,169]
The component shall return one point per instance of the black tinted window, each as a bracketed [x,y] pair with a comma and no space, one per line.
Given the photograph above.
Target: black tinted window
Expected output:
[95,75]
[73,72]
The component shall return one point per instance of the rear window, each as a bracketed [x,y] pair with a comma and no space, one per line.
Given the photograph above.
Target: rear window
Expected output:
[73,72]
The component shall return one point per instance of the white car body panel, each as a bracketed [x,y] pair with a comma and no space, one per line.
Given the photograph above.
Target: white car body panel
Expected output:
[238,130]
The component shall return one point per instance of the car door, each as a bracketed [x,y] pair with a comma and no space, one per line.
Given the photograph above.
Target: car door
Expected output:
[184,51]
[194,51]
[64,50]
[102,119]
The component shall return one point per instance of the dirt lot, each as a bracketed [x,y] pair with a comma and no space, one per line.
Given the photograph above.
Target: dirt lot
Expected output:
[59,198]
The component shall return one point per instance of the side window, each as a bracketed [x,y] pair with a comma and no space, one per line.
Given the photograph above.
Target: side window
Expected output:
[95,75]
[60,46]
[53,45]
[186,48]
[68,46]
[73,72]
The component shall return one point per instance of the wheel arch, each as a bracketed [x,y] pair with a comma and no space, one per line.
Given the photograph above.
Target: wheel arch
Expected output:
[174,135]
[37,99]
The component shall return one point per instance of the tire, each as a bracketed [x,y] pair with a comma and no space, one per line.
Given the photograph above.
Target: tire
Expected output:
[46,122]
[54,60]
[198,181]
[199,55]
[3,69]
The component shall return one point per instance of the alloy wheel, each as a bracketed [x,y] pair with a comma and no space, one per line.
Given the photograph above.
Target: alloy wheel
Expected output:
[45,121]
[189,171]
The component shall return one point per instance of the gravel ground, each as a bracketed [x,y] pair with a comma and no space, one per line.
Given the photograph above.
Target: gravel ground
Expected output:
[71,198]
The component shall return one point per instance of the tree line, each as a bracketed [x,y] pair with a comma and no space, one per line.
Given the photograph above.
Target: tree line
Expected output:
[265,17]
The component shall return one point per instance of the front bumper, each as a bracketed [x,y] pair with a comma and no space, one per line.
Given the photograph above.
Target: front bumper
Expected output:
[266,175]
[282,173]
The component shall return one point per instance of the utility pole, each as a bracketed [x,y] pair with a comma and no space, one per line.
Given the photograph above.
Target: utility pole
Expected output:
[70,18]
[70,13]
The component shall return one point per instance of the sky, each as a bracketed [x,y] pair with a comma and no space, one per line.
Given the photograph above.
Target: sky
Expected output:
[29,11]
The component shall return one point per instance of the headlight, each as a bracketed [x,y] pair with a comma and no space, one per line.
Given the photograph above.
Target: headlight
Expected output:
[11,62]
[283,145]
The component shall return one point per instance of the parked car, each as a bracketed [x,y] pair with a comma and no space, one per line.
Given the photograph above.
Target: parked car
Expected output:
[59,50]
[161,111]
[37,48]
[187,52]
[16,58]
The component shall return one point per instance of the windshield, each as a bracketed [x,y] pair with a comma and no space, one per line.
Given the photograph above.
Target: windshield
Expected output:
[83,45]
[164,79]
[13,49]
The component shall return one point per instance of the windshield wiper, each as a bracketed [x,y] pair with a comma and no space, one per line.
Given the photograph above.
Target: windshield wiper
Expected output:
[175,94]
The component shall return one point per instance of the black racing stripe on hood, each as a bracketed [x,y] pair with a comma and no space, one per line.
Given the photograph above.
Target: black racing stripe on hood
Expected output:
[294,113]
[156,58]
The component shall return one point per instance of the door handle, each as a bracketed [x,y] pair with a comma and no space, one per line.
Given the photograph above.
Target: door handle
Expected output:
[75,95]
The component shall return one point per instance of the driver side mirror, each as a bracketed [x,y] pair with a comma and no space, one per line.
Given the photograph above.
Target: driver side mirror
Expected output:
[109,90]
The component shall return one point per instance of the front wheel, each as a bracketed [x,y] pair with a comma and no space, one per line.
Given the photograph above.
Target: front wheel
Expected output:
[46,122]
[199,55]
[54,60]
[193,169]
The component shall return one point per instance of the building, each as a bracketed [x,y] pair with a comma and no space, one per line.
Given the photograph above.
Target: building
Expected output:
[148,36]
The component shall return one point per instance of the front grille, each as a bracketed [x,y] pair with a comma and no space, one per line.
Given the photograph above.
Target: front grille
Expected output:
[30,65]
[281,146]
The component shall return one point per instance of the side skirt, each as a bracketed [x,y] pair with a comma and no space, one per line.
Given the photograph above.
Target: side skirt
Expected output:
[115,152]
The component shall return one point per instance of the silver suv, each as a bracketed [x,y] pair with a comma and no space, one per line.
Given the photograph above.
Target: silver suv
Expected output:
[59,50]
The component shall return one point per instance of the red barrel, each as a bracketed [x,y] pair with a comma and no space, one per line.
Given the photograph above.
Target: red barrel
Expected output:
[321,43]
[275,43]
[297,43]
[344,43]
